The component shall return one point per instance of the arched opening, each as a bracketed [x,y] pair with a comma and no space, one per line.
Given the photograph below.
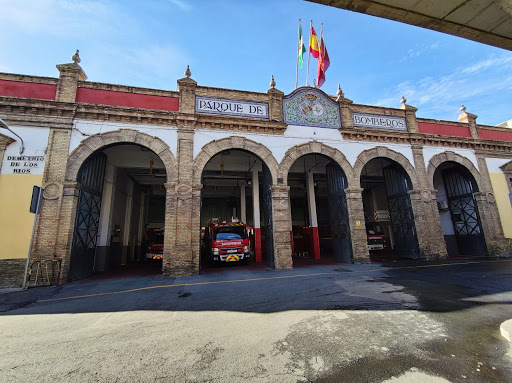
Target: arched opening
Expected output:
[236,212]
[319,224]
[120,213]
[389,220]
[458,210]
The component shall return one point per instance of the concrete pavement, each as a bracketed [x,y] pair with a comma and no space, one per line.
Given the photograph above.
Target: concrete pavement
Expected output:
[434,322]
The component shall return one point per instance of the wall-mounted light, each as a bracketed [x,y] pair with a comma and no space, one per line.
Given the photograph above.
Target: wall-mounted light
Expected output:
[4,125]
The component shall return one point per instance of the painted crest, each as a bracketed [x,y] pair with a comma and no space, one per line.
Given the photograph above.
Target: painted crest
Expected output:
[310,107]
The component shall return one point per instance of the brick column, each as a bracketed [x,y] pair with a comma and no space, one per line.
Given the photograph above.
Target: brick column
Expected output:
[66,226]
[470,119]
[275,104]
[184,259]
[410,117]
[51,222]
[4,142]
[281,226]
[69,76]
[488,211]
[357,226]
[345,112]
[426,215]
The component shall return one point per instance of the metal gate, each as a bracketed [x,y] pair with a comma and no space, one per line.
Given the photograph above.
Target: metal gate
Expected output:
[91,178]
[464,212]
[400,212]
[338,214]
[267,212]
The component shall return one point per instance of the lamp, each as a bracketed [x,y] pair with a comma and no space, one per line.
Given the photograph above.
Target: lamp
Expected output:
[4,125]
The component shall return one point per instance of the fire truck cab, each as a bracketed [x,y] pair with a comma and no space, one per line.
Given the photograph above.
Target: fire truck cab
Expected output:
[226,241]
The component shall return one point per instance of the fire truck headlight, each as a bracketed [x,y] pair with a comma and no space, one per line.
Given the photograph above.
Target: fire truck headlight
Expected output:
[215,251]
[246,249]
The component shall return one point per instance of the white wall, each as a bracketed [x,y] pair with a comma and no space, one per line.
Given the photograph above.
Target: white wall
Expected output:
[36,142]
[431,151]
[297,135]
[84,129]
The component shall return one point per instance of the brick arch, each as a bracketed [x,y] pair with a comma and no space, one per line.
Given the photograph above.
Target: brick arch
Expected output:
[215,147]
[314,147]
[381,151]
[122,136]
[449,156]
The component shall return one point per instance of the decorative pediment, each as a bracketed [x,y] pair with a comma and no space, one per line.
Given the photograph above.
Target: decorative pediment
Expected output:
[507,168]
[311,107]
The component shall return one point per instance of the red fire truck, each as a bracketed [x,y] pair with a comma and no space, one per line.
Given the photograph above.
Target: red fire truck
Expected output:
[226,241]
[155,247]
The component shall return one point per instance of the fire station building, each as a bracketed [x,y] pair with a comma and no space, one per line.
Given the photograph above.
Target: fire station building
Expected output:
[315,177]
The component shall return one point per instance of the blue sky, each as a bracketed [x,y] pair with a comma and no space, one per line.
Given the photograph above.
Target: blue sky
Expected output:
[240,44]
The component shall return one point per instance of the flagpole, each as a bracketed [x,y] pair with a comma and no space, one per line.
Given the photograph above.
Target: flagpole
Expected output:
[298,50]
[309,42]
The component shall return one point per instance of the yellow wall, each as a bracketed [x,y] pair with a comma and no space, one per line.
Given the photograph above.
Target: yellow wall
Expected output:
[15,219]
[500,188]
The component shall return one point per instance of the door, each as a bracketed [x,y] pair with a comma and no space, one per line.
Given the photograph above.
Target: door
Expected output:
[464,212]
[338,214]
[400,212]
[267,212]
[91,178]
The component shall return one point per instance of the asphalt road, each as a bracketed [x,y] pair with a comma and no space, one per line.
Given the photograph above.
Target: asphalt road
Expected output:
[400,322]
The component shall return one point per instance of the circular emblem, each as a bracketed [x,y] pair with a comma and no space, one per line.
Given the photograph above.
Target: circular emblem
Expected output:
[318,109]
[51,191]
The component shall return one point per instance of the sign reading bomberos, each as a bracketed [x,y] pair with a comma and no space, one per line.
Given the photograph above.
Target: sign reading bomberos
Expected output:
[231,107]
[379,122]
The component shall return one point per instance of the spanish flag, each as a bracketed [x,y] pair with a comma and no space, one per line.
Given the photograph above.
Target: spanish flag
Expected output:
[313,44]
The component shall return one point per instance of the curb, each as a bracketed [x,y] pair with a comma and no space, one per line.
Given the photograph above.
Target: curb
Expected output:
[506,330]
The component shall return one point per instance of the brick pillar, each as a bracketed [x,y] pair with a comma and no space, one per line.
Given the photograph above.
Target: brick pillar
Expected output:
[275,104]
[470,119]
[281,226]
[4,142]
[52,219]
[184,259]
[410,117]
[168,262]
[488,211]
[69,76]
[426,215]
[66,226]
[345,112]
[357,226]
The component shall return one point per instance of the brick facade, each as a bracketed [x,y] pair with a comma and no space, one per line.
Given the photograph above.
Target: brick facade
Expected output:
[184,165]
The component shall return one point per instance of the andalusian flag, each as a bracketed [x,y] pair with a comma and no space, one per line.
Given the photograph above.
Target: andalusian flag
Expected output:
[313,44]
[301,47]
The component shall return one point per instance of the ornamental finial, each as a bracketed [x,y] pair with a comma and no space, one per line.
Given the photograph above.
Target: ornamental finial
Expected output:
[462,108]
[188,73]
[403,100]
[339,93]
[76,57]
[272,82]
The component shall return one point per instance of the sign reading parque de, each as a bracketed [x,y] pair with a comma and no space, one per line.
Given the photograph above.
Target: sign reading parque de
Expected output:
[231,107]
[378,121]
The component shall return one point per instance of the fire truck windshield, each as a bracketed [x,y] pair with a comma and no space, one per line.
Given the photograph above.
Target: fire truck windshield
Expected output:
[229,232]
